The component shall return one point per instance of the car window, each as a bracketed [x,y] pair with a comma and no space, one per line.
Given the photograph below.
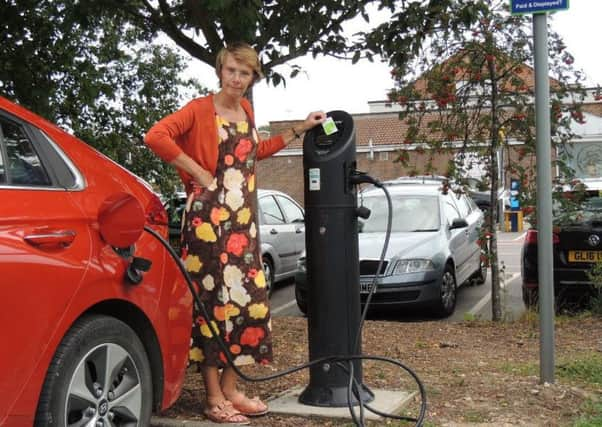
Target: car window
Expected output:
[449,207]
[593,204]
[21,165]
[271,212]
[291,210]
[463,205]
[588,209]
[471,203]
[410,213]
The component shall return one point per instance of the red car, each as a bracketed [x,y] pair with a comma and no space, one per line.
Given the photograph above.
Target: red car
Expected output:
[89,337]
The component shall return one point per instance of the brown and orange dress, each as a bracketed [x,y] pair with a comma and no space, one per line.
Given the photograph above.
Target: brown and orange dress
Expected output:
[220,230]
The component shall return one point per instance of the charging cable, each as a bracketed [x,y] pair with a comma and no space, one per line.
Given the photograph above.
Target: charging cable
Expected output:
[356,178]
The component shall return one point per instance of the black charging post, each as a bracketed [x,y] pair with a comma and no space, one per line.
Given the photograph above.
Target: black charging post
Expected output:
[332,261]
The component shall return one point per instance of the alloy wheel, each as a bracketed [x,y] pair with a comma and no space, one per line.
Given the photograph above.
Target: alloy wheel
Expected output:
[104,390]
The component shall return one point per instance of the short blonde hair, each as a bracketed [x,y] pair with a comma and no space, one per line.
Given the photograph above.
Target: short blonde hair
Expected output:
[243,53]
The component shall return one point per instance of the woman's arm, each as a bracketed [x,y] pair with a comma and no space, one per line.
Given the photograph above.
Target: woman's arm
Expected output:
[270,146]
[161,138]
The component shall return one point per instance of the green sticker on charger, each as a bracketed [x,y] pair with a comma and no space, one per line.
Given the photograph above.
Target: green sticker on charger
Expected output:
[329,126]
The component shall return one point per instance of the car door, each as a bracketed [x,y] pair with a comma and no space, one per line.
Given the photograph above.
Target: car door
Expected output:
[475,219]
[295,217]
[277,235]
[458,238]
[44,252]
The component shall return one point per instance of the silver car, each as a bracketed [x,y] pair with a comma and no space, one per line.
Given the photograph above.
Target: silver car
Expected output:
[434,247]
[282,235]
[281,232]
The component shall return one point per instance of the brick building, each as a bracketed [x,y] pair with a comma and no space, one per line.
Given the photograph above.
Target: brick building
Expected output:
[380,134]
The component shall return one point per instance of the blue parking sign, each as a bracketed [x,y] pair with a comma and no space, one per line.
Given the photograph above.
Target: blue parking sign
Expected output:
[519,7]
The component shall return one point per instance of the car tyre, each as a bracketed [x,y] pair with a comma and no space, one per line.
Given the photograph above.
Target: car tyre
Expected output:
[481,274]
[99,373]
[301,302]
[268,270]
[530,297]
[448,294]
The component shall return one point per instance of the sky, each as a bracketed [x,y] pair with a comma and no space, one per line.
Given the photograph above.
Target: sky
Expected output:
[329,84]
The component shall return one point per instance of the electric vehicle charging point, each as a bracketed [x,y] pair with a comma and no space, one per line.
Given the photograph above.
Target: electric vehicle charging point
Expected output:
[332,260]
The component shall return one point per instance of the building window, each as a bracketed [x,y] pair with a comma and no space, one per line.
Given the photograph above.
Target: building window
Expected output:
[383,155]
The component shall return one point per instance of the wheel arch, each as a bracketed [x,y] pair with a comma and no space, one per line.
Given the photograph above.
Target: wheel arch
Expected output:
[269,253]
[142,326]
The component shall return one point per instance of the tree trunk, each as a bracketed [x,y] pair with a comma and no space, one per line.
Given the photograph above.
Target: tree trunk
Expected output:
[496,303]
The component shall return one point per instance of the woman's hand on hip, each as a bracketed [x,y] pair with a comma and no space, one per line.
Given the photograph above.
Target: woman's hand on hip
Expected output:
[202,178]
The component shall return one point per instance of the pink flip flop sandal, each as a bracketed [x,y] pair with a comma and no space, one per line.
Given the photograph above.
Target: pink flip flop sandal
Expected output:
[251,407]
[226,413]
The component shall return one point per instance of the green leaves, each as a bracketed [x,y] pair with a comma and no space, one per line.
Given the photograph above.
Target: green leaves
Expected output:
[94,74]
[464,81]
[279,30]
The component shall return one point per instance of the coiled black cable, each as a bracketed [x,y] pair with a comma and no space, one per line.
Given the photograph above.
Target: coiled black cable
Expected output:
[353,388]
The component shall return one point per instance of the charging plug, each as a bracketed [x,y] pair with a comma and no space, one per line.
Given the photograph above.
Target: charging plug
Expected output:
[358,177]
[363,212]
[136,268]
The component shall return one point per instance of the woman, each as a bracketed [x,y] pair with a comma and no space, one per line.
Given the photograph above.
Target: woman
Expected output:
[214,145]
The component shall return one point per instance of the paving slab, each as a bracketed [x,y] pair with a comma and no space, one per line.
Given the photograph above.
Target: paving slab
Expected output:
[386,401]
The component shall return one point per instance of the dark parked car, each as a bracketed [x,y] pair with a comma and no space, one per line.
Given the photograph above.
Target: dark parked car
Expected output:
[577,247]
[480,193]
[434,247]
[281,232]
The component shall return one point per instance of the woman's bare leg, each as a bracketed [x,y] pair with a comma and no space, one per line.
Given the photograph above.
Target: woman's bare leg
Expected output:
[212,385]
[229,384]
[218,407]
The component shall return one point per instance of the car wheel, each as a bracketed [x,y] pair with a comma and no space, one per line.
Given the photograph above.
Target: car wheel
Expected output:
[268,271]
[301,302]
[530,297]
[481,274]
[447,297]
[100,375]
[484,208]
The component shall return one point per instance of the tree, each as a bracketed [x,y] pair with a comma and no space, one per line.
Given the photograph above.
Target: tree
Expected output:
[279,30]
[147,87]
[93,75]
[471,92]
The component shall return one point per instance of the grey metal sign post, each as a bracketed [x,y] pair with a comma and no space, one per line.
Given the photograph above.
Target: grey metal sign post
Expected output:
[545,255]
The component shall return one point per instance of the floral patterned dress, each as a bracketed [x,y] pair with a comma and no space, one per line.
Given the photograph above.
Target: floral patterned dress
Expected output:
[221,252]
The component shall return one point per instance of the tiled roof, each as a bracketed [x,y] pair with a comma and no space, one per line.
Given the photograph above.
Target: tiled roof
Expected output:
[382,128]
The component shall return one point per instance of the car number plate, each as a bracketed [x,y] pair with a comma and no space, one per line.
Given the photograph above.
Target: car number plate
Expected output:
[585,256]
[365,287]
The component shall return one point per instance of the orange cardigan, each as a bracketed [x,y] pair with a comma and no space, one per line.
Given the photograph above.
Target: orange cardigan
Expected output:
[193,130]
